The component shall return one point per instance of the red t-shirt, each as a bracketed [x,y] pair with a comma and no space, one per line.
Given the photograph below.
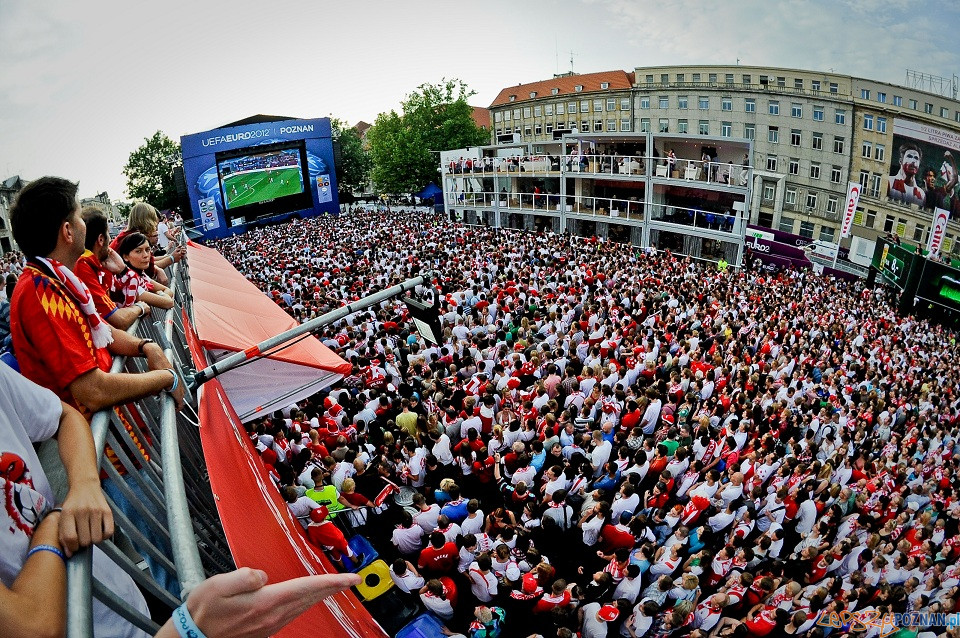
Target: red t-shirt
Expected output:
[439,560]
[328,535]
[99,281]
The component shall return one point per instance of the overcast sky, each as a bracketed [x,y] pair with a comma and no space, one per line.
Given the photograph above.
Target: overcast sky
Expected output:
[83,82]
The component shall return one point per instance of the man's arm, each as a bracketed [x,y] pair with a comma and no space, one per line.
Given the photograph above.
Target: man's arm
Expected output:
[128,345]
[123,318]
[86,517]
[36,603]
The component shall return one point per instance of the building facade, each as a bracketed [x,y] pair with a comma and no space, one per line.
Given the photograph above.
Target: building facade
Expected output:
[9,188]
[810,134]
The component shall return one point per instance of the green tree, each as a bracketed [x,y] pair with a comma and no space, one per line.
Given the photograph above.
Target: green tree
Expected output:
[353,170]
[149,171]
[403,148]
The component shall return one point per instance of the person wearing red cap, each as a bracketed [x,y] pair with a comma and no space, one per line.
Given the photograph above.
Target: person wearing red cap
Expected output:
[595,617]
[324,534]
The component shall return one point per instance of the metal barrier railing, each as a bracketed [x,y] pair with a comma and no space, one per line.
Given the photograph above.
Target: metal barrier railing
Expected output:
[165,515]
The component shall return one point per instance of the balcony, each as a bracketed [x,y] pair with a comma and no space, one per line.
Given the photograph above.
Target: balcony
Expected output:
[550,203]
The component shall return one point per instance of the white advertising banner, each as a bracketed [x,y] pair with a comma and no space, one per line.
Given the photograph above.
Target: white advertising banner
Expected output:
[853,198]
[937,231]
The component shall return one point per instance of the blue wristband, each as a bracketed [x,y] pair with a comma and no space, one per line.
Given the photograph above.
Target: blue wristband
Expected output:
[176,381]
[47,548]
[183,621]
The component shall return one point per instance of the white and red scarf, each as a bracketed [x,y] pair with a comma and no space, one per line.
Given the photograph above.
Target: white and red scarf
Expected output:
[99,329]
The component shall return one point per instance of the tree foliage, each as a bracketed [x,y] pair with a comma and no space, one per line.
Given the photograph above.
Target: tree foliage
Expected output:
[149,171]
[353,169]
[403,147]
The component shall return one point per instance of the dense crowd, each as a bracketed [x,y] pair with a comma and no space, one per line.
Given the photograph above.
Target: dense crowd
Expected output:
[618,442]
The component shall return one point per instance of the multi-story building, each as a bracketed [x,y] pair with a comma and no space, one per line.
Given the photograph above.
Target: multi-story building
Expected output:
[8,193]
[810,134]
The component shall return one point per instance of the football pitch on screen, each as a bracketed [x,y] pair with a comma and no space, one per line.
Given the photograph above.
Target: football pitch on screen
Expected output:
[250,188]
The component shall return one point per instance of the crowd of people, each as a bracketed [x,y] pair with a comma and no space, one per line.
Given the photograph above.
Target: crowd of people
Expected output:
[613,442]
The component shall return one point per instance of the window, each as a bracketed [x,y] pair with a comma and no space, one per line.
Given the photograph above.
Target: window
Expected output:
[506,116]
[944,112]
[584,106]
[703,103]
[817,141]
[526,111]
[649,79]
[772,163]
[498,117]
[537,111]
[838,144]
[878,153]
[611,125]
[549,128]
[513,97]
[624,104]
[881,125]
[726,104]
[560,109]
[554,91]
[598,106]
[604,85]
[750,131]
[888,222]
[814,85]
[774,107]
[836,174]
[798,84]
[644,124]
[578,88]
[795,137]
[526,131]
[664,102]
[644,101]
[956,116]
[664,125]
[728,78]
[763,80]
[864,94]
[841,117]
[881,97]
[866,150]
[864,179]
[611,104]
[516,114]
[796,110]
[834,87]
[746,78]
[533,94]
[696,77]
[818,114]
[682,126]
[786,225]
[625,124]
[572,108]
[806,228]
[897,100]
[826,232]
[812,199]
[871,219]
[867,122]
[912,104]
[704,127]
[781,82]
[597,126]
[928,108]
[537,129]
[790,196]
[664,78]
[918,233]
[548,109]
[875,182]
[726,129]
[585,126]
[682,101]
[814,170]
[773,135]
[680,78]
[794,166]
[768,191]
[750,105]
[713,78]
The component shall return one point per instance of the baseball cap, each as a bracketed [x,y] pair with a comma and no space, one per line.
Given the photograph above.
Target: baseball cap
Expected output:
[319,514]
[608,613]
[513,573]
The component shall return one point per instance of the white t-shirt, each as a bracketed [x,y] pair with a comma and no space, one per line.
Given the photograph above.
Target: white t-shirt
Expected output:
[162,240]
[28,414]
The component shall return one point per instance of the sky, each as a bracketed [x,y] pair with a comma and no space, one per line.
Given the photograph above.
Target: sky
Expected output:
[82,83]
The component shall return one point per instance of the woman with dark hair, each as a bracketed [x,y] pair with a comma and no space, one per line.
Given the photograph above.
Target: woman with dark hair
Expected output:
[135,285]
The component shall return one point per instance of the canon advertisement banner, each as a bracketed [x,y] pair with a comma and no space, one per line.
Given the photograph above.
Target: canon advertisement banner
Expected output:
[937,231]
[923,167]
[853,197]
